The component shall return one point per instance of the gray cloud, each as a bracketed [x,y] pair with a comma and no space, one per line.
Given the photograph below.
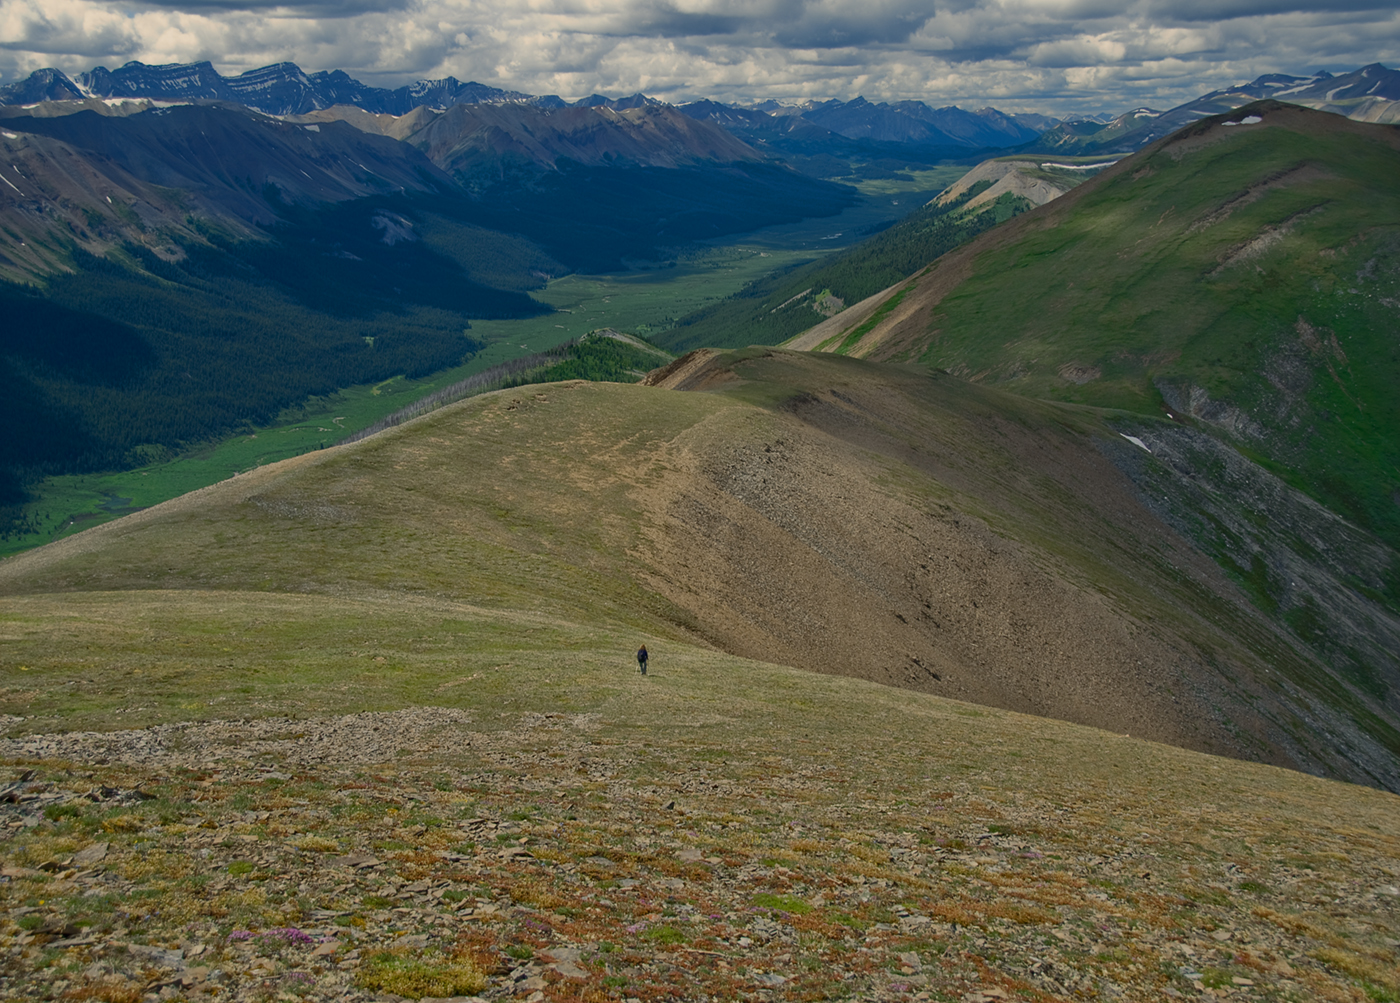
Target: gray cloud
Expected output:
[1023,55]
[1221,10]
[309,8]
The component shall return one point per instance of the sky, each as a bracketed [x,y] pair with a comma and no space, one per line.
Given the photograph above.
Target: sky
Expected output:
[1051,56]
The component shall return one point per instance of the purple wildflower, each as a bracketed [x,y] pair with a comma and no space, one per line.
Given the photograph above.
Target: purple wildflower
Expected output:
[289,935]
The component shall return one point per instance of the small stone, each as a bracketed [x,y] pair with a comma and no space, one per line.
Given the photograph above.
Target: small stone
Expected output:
[159,956]
[1242,982]
[1221,935]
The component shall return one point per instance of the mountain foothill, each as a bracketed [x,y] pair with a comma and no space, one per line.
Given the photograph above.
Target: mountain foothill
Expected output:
[1105,433]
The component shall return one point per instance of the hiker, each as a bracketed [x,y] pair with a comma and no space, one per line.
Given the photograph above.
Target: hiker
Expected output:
[642,659]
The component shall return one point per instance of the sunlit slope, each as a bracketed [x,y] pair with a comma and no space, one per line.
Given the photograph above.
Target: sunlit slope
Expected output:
[828,513]
[1242,276]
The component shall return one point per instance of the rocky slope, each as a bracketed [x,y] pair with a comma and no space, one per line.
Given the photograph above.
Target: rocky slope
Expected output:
[870,846]
[1033,179]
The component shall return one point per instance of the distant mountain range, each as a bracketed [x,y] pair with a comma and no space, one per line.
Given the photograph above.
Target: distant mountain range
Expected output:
[467,139]
[914,121]
[161,175]
[286,89]
[817,128]
[1370,94]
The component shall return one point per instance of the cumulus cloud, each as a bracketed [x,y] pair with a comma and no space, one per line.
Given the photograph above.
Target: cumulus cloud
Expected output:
[1054,56]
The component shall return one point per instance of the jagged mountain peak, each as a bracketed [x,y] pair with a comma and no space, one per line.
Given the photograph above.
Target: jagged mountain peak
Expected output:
[42,85]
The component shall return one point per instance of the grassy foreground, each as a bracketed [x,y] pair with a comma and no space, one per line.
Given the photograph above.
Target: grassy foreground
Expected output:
[560,828]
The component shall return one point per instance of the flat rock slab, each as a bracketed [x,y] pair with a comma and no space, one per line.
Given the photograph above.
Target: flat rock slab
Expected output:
[358,861]
[90,855]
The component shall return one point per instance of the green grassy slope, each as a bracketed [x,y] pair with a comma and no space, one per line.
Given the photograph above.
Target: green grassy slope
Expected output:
[1244,277]
[636,301]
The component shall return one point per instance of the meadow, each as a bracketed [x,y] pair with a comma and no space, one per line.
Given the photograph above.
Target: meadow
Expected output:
[352,797]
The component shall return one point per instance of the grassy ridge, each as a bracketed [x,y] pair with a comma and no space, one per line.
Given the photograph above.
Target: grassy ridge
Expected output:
[69,503]
[474,585]
[612,504]
[641,301]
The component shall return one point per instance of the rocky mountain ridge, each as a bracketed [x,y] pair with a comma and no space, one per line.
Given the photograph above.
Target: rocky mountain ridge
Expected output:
[279,89]
[285,89]
[1370,94]
[105,181]
[467,139]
